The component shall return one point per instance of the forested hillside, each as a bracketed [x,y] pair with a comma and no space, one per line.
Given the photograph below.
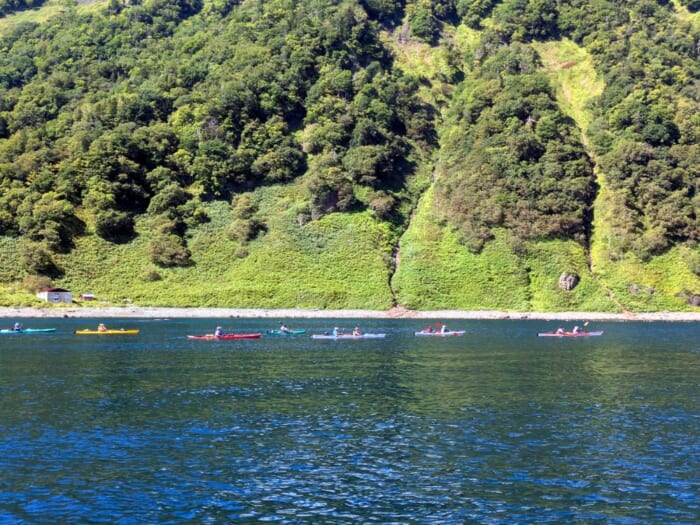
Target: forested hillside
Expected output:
[530,155]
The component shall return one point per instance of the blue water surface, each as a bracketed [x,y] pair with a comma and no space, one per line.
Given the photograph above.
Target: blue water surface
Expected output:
[496,427]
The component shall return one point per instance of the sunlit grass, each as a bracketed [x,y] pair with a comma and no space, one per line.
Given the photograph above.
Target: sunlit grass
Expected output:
[47,11]
[570,68]
[683,14]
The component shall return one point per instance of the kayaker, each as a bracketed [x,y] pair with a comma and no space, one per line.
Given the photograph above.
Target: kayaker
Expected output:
[356,332]
[443,329]
[428,329]
[576,330]
[101,327]
[283,327]
[560,330]
[336,331]
[17,327]
[218,332]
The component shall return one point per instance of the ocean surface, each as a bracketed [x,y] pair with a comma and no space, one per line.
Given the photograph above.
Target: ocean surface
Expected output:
[496,427]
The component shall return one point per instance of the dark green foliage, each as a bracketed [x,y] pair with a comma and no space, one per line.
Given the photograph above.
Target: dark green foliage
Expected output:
[424,25]
[170,197]
[472,12]
[529,20]
[692,5]
[117,112]
[518,163]
[10,6]
[245,226]
[37,258]
[386,11]
[108,115]
[242,230]
[647,124]
[114,225]
[168,249]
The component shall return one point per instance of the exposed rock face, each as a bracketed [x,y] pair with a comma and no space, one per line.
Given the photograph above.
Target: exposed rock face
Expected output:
[568,281]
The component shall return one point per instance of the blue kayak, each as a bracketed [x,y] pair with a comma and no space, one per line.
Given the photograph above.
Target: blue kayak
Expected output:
[286,332]
[28,331]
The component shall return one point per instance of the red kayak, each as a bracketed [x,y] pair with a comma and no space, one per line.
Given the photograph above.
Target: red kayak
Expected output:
[569,334]
[212,337]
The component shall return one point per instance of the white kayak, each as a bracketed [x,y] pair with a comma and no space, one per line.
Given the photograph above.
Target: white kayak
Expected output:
[348,336]
[570,334]
[440,334]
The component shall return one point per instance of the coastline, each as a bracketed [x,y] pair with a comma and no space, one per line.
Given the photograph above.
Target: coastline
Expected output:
[297,313]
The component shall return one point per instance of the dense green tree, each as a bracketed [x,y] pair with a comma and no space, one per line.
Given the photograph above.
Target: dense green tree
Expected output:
[124,109]
[516,163]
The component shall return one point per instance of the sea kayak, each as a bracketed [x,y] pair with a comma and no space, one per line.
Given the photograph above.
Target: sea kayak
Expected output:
[28,331]
[286,332]
[225,337]
[348,336]
[570,334]
[106,332]
[440,334]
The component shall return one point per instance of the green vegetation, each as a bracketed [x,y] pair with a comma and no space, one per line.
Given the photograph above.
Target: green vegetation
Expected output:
[352,154]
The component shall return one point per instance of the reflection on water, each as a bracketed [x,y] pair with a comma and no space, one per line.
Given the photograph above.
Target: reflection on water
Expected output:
[498,426]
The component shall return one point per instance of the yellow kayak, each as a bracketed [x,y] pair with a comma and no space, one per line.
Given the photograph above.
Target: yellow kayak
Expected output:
[106,332]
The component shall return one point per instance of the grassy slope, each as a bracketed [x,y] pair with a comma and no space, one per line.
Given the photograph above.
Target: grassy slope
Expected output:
[336,262]
[50,9]
[436,272]
[340,261]
[343,261]
[657,282]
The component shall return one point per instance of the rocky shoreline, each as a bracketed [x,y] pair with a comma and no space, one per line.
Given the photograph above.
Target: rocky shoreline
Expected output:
[292,313]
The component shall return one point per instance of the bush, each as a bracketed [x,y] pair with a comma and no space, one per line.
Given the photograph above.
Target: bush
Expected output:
[151,275]
[37,258]
[113,225]
[242,230]
[34,283]
[168,250]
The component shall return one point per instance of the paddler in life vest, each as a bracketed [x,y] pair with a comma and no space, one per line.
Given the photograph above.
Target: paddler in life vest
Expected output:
[101,327]
[218,332]
[576,330]
[17,327]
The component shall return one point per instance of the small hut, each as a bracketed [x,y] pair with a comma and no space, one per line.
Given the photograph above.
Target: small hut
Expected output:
[55,295]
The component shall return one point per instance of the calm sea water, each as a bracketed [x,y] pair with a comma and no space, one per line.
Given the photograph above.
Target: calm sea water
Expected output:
[496,427]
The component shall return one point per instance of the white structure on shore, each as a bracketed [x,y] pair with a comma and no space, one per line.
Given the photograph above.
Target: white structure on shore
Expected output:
[55,295]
